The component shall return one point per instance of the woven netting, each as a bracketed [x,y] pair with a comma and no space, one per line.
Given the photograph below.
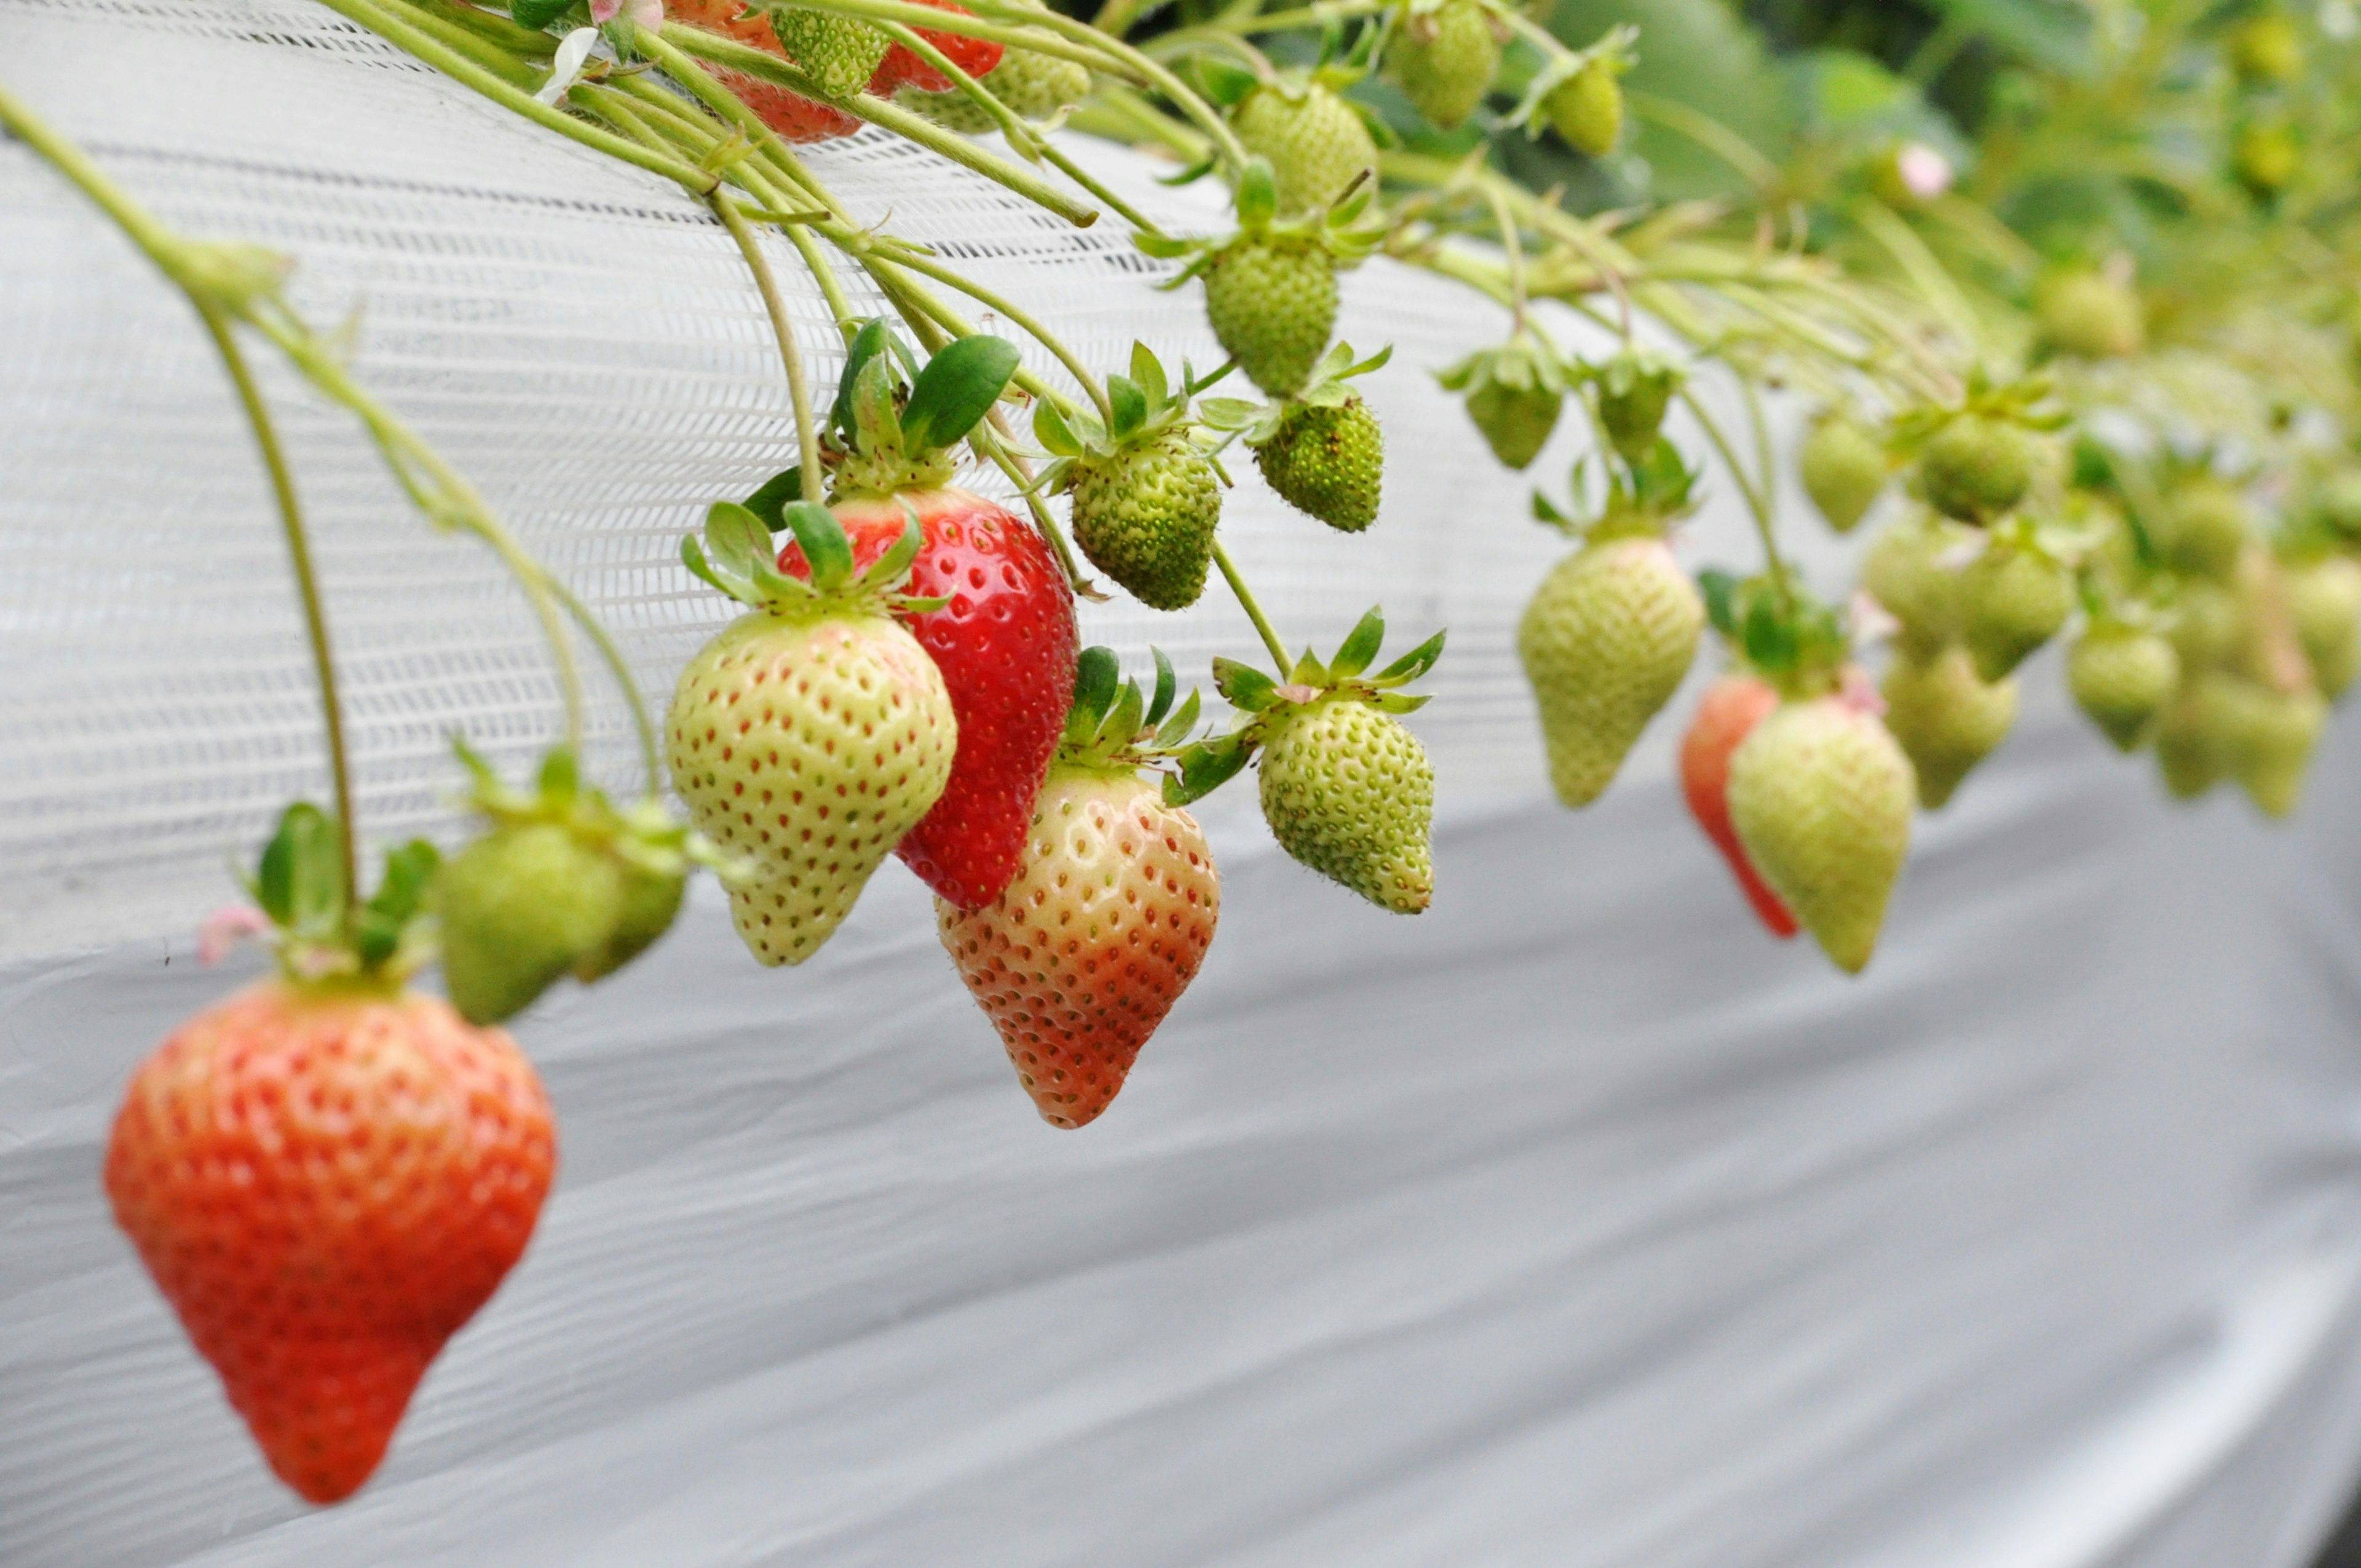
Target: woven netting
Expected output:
[582,340]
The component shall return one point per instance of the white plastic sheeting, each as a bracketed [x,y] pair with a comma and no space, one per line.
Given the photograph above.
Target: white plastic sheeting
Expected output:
[1572,1224]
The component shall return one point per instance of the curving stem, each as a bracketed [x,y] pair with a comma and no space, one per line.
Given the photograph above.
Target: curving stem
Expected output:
[790,356]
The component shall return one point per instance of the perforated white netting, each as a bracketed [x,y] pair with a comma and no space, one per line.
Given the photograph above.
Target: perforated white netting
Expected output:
[584,342]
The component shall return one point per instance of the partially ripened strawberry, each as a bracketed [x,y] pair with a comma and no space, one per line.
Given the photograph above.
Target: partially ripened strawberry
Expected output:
[1727,715]
[1005,642]
[1444,58]
[1946,716]
[1316,143]
[1114,906]
[1605,642]
[794,117]
[901,67]
[326,1180]
[813,732]
[1822,796]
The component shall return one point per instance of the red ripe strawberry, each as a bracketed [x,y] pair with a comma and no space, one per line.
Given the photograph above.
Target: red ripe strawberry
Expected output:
[326,1184]
[900,67]
[1733,706]
[1006,645]
[794,117]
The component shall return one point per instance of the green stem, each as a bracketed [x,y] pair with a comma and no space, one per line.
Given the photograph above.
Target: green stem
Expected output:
[1754,503]
[1254,611]
[619,668]
[462,40]
[307,589]
[1312,16]
[790,356]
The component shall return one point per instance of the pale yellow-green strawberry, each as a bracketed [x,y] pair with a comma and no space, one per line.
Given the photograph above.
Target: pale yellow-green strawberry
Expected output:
[1445,61]
[1909,571]
[2089,313]
[1946,717]
[1977,468]
[2012,600]
[1145,516]
[651,903]
[2323,600]
[1349,792]
[1605,642]
[2202,528]
[1843,466]
[2122,676]
[2188,743]
[520,907]
[2265,739]
[1317,143]
[2206,622]
[1587,108]
[1272,297]
[1327,459]
[1821,795]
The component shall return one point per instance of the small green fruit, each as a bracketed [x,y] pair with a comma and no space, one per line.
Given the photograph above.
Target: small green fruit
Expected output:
[2122,677]
[1606,643]
[2012,600]
[1327,460]
[1905,572]
[1946,717]
[1349,792]
[2202,528]
[1146,515]
[1445,61]
[2087,313]
[1843,466]
[2324,602]
[1272,302]
[1316,143]
[1975,468]
[520,907]
[1587,109]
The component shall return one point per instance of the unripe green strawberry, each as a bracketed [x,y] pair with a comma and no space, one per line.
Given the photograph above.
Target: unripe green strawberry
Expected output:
[650,903]
[2266,157]
[2089,313]
[1946,717]
[1976,469]
[840,53]
[2188,751]
[808,746]
[1349,792]
[2202,529]
[1316,143]
[1145,516]
[1605,643]
[1272,300]
[2206,625]
[1822,796]
[2265,739]
[1445,60]
[1635,390]
[2324,602]
[1034,86]
[519,907]
[1327,460]
[2122,677]
[1905,572]
[1587,109]
[1843,467]
[2266,50]
[1515,421]
[2012,600]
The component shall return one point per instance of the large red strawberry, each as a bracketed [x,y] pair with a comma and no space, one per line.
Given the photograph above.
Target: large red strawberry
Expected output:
[1006,645]
[1733,706]
[793,116]
[900,67]
[326,1181]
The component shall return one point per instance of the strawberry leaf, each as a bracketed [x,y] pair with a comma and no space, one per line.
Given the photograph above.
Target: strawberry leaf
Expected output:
[1720,590]
[1122,721]
[560,776]
[1413,664]
[1130,404]
[1246,687]
[1051,429]
[1360,648]
[1096,674]
[301,879]
[770,501]
[537,14]
[1400,702]
[1258,197]
[870,341]
[409,871]
[1184,718]
[1205,767]
[957,388]
[1167,683]
[1149,374]
[821,537]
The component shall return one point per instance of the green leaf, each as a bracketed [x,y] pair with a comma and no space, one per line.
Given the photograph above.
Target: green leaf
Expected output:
[735,538]
[1205,767]
[409,871]
[1122,720]
[1308,671]
[1400,702]
[1720,590]
[1096,674]
[1360,647]
[1415,663]
[1258,198]
[1130,406]
[1149,374]
[1246,687]
[958,388]
[1768,638]
[891,569]
[823,542]
[560,776]
[769,503]
[1184,718]
[1225,83]
[1167,683]
[537,14]
[870,341]
[301,880]
[1051,429]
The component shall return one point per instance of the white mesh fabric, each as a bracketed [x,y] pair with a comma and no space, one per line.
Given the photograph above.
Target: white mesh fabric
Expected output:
[582,340]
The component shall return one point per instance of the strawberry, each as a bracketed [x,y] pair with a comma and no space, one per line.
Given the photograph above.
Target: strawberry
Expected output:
[797,119]
[1634,388]
[2206,624]
[1005,643]
[326,1180]
[1328,461]
[2122,676]
[1145,496]
[1316,143]
[2202,528]
[900,67]
[1114,906]
[813,732]
[2325,603]
[1821,795]
[1908,572]
[1946,717]
[2266,157]
[1445,58]
[2013,599]
[2188,741]
[838,53]
[1587,108]
[1515,393]
[1843,467]
[2266,50]
[1272,302]
[1033,85]
[1729,712]
[2089,313]
[1605,642]
[2265,738]
[1976,466]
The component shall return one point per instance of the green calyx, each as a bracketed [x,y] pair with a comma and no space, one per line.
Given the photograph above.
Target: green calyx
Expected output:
[736,556]
[1642,500]
[1112,728]
[894,422]
[321,936]
[1632,391]
[1778,629]
[1148,407]
[1515,394]
[1321,449]
[1263,702]
[1979,460]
